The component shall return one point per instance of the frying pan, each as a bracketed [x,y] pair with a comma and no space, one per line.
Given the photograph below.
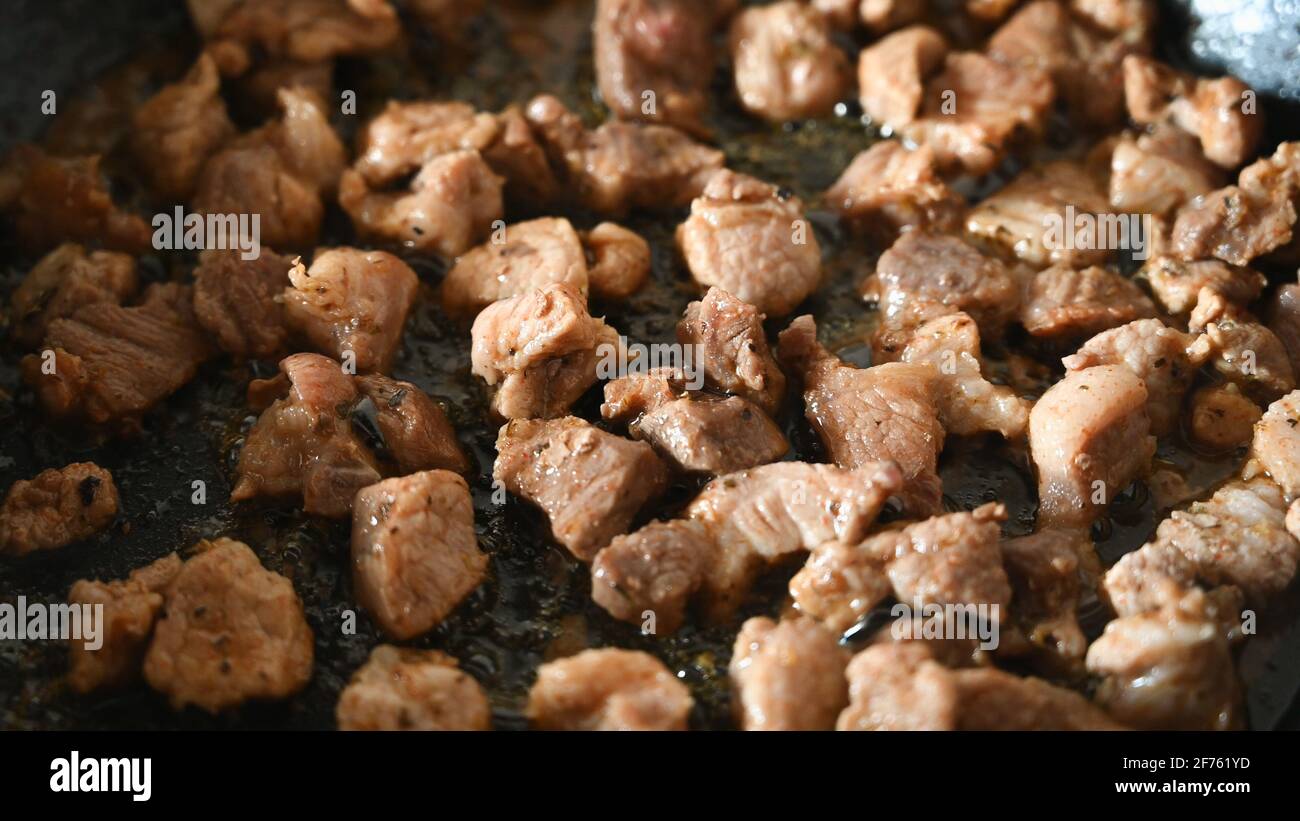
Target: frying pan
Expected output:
[536,603]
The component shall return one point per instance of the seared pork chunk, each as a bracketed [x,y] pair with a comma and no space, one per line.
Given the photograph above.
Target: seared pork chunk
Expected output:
[739,524]
[131,606]
[788,676]
[1234,224]
[1246,352]
[888,189]
[1177,284]
[230,631]
[892,74]
[1034,217]
[654,59]
[590,484]
[697,432]
[1048,571]
[401,688]
[56,199]
[1170,669]
[540,350]
[352,305]
[176,130]
[237,301]
[786,65]
[608,689]
[1276,445]
[924,267]
[1213,110]
[1284,321]
[1165,359]
[618,261]
[1158,172]
[111,364]
[1064,303]
[733,349]
[993,700]
[752,240]
[64,280]
[304,444]
[450,206]
[1089,438]
[1221,418]
[414,552]
[620,166]
[521,258]
[410,429]
[1149,578]
[304,30]
[863,415]
[56,508]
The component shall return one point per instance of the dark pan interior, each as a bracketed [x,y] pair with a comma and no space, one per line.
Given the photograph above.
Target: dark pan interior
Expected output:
[536,603]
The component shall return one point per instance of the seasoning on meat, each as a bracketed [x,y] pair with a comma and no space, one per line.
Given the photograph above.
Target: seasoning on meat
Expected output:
[413,430]
[1221,418]
[1177,284]
[608,689]
[1158,172]
[786,66]
[732,348]
[56,508]
[520,258]
[788,676]
[1245,351]
[400,688]
[888,189]
[1064,303]
[238,301]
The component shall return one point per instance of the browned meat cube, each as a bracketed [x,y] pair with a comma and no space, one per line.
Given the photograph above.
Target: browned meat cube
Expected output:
[892,74]
[924,267]
[1245,351]
[529,255]
[63,281]
[654,59]
[1168,670]
[788,676]
[1064,303]
[55,199]
[451,205]
[414,552]
[608,689]
[407,135]
[56,508]
[237,301]
[752,240]
[898,686]
[1089,438]
[402,688]
[839,584]
[230,631]
[1035,216]
[112,363]
[654,570]
[863,415]
[413,430]
[304,445]
[1213,110]
[993,700]
[352,305]
[1048,571]
[1147,579]
[176,130]
[590,484]
[1165,359]
[1284,321]
[1234,224]
[1158,172]
[732,348]
[786,66]
[1276,444]
[1222,418]
[541,350]
[130,607]
[888,189]
[1177,284]
[618,259]
[621,166]
[306,30]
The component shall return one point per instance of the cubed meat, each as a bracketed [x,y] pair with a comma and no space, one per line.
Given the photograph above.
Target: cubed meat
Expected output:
[131,607]
[521,258]
[176,130]
[1089,439]
[540,350]
[56,508]
[64,280]
[652,571]
[1245,352]
[1063,303]
[405,136]
[352,305]
[238,301]
[893,71]
[1222,418]
[991,699]
[407,427]
[231,631]
[304,444]
[1048,571]
[1157,173]
[305,30]
[788,676]
[727,334]
[415,555]
[888,189]
[1233,224]
[752,240]
[899,686]
[1177,284]
[450,206]
[1053,214]
[589,483]
[111,364]
[1147,579]
[608,689]
[401,688]
[1276,444]
[1284,321]
[1165,359]
[618,261]
[786,65]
